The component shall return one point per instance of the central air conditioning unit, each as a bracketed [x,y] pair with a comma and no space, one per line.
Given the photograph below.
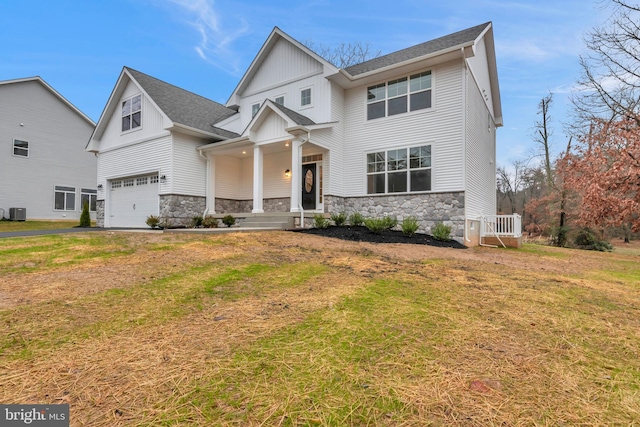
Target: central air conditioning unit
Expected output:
[18,214]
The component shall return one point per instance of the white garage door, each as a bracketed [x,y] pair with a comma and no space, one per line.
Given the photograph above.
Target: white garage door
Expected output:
[132,200]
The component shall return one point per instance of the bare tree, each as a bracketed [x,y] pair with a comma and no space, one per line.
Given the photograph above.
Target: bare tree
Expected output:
[344,54]
[542,135]
[610,82]
[511,183]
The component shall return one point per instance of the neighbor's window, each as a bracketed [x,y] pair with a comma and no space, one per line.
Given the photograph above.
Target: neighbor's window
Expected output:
[64,198]
[20,148]
[131,113]
[398,96]
[254,110]
[305,97]
[88,196]
[399,171]
[280,100]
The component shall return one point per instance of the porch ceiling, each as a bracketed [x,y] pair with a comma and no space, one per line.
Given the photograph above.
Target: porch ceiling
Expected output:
[245,149]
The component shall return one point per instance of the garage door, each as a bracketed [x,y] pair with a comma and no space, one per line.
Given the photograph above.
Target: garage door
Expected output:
[132,200]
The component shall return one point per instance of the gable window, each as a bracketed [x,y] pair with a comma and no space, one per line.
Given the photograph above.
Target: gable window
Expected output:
[305,97]
[88,196]
[20,148]
[254,110]
[280,100]
[131,113]
[398,96]
[400,170]
[64,198]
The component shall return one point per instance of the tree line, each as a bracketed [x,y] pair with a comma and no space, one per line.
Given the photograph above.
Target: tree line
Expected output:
[591,190]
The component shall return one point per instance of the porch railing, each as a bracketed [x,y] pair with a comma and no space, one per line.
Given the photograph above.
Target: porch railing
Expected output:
[501,225]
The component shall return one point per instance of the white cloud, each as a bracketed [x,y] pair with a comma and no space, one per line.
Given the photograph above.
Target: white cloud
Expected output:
[216,38]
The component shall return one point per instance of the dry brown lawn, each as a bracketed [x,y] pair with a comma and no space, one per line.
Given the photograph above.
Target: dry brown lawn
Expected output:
[279,328]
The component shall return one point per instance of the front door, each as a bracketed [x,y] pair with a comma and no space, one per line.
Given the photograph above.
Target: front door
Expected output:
[309,186]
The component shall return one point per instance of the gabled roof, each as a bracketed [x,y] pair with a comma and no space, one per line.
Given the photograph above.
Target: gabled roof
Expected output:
[461,38]
[297,118]
[276,34]
[184,107]
[53,91]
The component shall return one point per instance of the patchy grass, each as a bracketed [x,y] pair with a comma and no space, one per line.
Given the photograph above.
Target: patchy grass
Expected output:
[38,225]
[270,329]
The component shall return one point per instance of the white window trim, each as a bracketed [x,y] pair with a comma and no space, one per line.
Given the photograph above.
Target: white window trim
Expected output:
[131,113]
[75,197]
[408,95]
[284,99]
[310,104]
[408,169]
[13,148]
[254,110]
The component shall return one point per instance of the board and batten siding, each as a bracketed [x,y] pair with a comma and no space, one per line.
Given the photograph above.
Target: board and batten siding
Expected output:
[480,195]
[138,159]
[57,136]
[189,170]
[441,126]
[152,122]
[271,129]
[480,69]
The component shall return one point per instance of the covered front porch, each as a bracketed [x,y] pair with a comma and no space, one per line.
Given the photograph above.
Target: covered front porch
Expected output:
[274,167]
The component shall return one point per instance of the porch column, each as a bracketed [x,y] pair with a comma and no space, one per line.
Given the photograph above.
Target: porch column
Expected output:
[257,180]
[296,171]
[211,185]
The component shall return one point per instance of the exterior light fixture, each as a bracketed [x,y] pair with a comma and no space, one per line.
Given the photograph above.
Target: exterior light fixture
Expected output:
[163,178]
[287,173]
[286,144]
[100,186]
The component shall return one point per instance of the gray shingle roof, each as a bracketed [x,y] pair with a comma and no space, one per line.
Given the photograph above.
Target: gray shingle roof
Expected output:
[298,118]
[184,107]
[426,48]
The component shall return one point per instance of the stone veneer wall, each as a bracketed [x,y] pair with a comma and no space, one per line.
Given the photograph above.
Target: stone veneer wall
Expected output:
[428,209]
[245,206]
[178,210]
[100,213]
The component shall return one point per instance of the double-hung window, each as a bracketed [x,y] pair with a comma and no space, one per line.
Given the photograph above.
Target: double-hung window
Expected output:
[20,148]
[402,170]
[132,113]
[64,198]
[254,109]
[399,96]
[305,97]
[280,100]
[88,196]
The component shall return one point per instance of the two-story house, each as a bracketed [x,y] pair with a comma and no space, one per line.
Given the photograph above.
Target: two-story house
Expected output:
[411,133]
[45,173]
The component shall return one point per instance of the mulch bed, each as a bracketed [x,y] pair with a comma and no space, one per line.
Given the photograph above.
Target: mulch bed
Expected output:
[362,234]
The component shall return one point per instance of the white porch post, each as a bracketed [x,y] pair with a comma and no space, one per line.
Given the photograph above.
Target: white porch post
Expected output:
[258,180]
[211,185]
[296,171]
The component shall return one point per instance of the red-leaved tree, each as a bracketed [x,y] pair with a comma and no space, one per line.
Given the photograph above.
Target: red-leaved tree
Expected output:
[604,171]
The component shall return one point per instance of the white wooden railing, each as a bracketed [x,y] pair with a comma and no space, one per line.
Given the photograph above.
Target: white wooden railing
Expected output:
[501,225]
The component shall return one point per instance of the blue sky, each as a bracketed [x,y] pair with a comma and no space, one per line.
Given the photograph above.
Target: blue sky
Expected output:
[80,47]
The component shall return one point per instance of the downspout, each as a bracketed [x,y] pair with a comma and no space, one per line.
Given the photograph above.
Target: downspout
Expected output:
[206,183]
[464,143]
[300,186]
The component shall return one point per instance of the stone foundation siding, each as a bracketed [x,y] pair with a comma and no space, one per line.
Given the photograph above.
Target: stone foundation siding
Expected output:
[428,209]
[100,213]
[281,204]
[178,210]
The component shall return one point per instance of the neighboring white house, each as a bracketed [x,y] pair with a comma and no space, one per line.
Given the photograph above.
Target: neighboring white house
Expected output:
[411,133]
[44,170]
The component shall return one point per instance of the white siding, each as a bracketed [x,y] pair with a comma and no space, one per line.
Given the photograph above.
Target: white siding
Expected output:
[57,136]
[152,122]
[275,183]
[272,128]
[480,196]
[189,169]
[137,159]
[480,69]
[441,126]
[283,63]
[231,178]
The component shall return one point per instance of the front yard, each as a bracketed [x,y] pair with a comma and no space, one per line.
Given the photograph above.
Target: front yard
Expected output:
[268,329]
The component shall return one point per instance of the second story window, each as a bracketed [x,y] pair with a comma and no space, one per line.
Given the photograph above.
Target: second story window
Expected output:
[280,100]
[254,110]
[131,113]
[305,97]
[20,148]
[399,96]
